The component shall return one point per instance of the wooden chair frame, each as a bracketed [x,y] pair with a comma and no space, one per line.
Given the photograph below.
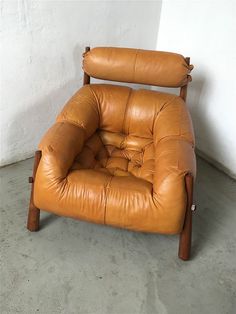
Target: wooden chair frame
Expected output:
[186,233]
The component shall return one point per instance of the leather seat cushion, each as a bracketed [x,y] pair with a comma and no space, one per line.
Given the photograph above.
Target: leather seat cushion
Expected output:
[103,153]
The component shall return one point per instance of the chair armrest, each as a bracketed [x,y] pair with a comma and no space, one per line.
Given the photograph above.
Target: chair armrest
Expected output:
[59,146]
[174,158]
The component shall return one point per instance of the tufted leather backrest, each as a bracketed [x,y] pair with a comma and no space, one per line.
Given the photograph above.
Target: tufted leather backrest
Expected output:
[139,66]
[126,124]
[129,112]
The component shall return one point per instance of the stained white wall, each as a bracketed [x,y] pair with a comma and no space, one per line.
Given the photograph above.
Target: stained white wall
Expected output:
[40,58]
[205,30]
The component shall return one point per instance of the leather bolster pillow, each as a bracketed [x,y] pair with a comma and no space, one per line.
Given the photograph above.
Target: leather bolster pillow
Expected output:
[137,66]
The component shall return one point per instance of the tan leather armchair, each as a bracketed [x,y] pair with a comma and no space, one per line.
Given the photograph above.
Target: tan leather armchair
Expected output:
[121,156]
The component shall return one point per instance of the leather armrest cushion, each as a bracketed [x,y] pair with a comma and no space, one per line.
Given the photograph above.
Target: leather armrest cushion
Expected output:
[59,146]
[174,158]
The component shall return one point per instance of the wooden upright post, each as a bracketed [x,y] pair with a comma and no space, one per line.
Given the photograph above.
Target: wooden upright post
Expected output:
[86,76]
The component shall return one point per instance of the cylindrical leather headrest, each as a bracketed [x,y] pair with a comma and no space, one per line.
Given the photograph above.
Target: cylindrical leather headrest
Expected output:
[137,66]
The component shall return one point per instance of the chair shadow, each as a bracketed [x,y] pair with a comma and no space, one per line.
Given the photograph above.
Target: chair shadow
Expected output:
[48,220]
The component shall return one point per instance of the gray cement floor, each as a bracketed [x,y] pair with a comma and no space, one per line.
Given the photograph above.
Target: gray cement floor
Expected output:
[75,267]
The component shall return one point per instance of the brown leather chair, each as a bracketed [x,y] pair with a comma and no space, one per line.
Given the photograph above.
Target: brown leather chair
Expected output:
[121,156]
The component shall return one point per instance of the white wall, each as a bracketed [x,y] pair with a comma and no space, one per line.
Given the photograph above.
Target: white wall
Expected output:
[40,58]
[41,43]
[206,30]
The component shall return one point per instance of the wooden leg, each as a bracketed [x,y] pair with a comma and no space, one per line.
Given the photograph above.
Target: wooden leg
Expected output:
[186,234]
[34,212]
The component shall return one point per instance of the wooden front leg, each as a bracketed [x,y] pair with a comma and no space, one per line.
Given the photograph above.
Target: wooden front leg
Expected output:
[34,212]
[186,234]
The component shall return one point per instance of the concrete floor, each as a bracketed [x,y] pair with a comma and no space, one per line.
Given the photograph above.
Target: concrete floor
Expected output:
[75,267]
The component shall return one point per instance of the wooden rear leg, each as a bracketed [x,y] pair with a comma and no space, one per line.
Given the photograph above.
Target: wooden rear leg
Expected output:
[186,234]
[34,212]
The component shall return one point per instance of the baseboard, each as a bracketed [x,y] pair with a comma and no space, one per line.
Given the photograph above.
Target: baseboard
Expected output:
[216,164]
[15,159]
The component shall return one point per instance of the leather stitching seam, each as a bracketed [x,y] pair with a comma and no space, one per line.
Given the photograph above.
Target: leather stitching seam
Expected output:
[126,109]
[135,60]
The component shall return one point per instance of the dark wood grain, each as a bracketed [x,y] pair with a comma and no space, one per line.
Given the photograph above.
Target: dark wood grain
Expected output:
[183,89]
[186,234]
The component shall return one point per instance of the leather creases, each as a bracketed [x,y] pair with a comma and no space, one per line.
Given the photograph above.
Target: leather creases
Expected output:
[118,156]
